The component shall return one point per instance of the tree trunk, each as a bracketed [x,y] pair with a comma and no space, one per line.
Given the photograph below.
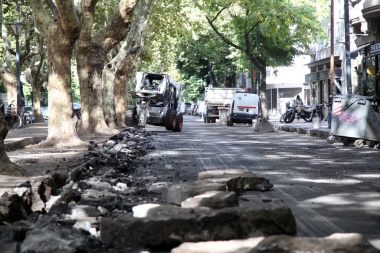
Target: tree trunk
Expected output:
[121,101]
[90,62]
[37,101]
[62,120]
[10,83]
[123,64]
[61,35]
[266,126]
[109,98]
[91,57]
[6,166]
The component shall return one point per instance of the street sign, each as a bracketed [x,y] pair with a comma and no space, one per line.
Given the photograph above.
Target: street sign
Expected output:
[375,48]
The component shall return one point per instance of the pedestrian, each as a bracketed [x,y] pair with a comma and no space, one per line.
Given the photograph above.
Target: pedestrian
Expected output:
[299,100]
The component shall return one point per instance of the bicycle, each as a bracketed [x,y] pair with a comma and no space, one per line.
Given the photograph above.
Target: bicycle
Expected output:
[13,120]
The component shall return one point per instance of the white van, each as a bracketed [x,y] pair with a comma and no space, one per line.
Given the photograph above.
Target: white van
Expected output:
[201,109]
[245,107]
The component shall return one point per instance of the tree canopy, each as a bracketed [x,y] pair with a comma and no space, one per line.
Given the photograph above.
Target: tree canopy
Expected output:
[198,42]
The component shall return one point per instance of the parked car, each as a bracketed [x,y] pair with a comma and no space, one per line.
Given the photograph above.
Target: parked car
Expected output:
[194,109]
[188,108]
[29,113]
[45,113]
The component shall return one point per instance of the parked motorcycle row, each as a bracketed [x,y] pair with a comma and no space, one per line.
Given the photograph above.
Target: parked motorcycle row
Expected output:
[298,111]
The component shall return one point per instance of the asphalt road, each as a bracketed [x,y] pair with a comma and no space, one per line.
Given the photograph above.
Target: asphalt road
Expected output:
[330,188]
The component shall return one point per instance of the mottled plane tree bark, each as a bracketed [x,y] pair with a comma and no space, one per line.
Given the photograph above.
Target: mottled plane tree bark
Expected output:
[119,70]
[6,166]
[34,74]
[60,27]
[8,78]
[91,56]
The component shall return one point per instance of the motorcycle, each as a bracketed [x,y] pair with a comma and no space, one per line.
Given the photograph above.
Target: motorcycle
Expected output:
[299,111]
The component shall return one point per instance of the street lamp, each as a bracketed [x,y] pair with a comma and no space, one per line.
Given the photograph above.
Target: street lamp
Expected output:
[17,28]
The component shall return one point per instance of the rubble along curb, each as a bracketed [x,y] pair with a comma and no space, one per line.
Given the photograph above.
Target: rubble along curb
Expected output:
[308,131]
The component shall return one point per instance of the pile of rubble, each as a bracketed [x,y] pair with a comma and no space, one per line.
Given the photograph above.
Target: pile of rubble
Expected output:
[103,205]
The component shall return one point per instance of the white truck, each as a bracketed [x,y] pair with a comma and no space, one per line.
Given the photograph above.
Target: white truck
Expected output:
[217,103]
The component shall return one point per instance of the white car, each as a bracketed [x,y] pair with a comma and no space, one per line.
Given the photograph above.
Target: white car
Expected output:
[45,113]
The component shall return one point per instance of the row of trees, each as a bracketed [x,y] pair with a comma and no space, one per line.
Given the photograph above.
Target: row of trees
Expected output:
[102,43]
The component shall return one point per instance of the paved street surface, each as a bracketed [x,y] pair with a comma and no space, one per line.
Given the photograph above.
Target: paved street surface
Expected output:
[330,188]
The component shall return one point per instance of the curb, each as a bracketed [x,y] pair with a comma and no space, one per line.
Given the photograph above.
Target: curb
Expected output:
[308,131]
[12,146]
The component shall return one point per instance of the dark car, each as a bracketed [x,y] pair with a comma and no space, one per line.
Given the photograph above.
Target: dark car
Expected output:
[188,108]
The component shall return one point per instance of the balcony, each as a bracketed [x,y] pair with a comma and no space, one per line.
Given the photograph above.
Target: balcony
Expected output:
[371,9]
[322,75]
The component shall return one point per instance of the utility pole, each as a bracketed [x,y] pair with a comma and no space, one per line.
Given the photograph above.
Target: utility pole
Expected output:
[332,74]
[347,48]
[332,64]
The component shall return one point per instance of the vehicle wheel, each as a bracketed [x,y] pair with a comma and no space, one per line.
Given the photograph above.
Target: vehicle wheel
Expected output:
[290,118]
[310,119]
[359,143]
[213,120]
[208,120]
[230,123]
[330,139]
[346,141]
[372,144]
[130,116]
[179,123]
[16,123]
[170,119]
[282,118]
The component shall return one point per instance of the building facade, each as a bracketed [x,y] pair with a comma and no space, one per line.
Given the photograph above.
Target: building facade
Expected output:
[364,21]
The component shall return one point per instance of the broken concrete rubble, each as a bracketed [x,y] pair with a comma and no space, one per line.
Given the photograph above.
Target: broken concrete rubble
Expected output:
[231,246]
[213,200]
[105,204]
[176,194]
[177,225]
[347,243]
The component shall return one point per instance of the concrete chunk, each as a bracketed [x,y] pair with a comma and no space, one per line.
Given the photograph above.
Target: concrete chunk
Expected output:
[169,226]
[212,199]
[348,243]
[227,173]
[177,193]
[231,246]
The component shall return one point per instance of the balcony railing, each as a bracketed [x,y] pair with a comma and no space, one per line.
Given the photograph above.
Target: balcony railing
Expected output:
[325,53]
[322,75]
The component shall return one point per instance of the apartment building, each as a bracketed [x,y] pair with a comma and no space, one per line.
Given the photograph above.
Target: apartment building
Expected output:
[364,18]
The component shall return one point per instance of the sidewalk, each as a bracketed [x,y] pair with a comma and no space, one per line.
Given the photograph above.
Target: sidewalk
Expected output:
[26,135]
[36,132]
[301,127]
